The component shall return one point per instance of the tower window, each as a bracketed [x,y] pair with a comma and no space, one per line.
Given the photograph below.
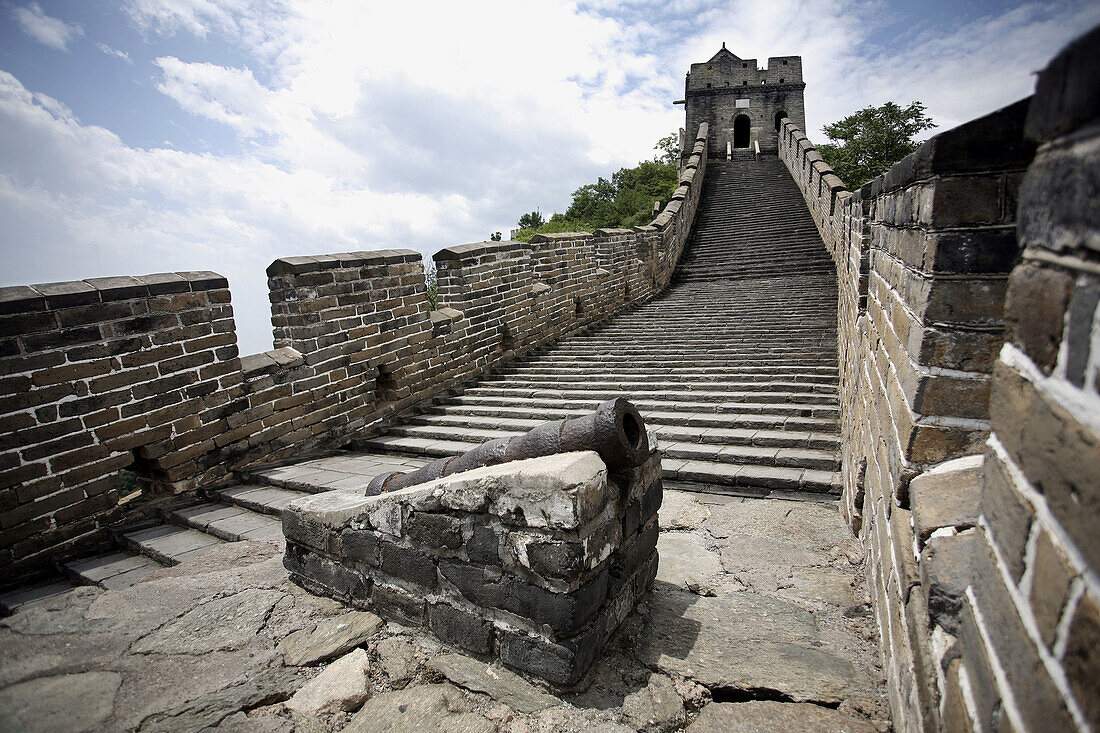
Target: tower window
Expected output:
[781,80]
[784,62]
[708,86]
[745,83]
[744,66]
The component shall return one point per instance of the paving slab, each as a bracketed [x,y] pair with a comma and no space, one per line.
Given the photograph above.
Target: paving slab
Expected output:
[225,640]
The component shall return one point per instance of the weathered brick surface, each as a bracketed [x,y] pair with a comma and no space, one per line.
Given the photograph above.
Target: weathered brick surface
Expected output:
[95,372]
[938,261]
[566,578]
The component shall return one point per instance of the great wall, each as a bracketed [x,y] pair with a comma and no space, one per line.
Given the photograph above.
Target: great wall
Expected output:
[873,501]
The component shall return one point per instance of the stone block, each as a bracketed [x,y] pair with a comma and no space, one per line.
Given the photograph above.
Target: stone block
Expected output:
[360,545]
[1008,514]
[483,547]
[1067,91]
[1051,575]
[955,718]
[562,662]
[461,628]
[948,495]
[409,564]
[324,575]
[1078,339]
[435,530]
[974,659]
[398,603]
[945,574]
[1035,310]
[1082,658]
[1036,696]
[555,558]
[495,589]
[972,251]
[966,200]
[1057,452]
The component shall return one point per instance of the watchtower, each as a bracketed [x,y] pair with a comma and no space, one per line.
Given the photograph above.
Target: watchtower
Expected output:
[744,104]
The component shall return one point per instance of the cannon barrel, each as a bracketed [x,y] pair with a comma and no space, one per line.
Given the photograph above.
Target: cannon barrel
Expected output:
[615,430]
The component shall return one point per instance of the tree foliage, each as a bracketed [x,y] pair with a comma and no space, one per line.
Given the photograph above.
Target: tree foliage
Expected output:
[624,201]
[668,149]
[868,142]
[532,219]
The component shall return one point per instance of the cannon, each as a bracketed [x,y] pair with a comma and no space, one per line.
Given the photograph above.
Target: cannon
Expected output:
[615,431]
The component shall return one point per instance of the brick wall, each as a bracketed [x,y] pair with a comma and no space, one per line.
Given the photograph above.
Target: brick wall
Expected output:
[535,562]
[1040,503]
[143,373]
[98,374]
[968,463]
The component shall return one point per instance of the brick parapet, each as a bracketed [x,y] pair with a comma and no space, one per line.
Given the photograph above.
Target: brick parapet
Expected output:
[533,562]
[982,570]
[1040,504]
[97,375]
[143,373]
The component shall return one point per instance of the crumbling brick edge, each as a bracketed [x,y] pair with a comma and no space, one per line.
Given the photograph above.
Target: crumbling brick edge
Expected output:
[535,562]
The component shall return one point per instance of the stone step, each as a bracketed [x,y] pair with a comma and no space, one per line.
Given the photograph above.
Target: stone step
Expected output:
[229,522]
[346,471]
[680,433]
[753,455]
[823,384]
[591,402]
[710,473]
[34,594]
[674,391]
[258,498]
[169,544]
[655,417]
[113,570]
[436,441]
[640,365]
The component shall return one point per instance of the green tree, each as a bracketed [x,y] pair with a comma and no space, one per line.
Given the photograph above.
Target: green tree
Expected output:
[624,201]
[593,202]
[495,236]
[868,142]
[533,219]
[668,149]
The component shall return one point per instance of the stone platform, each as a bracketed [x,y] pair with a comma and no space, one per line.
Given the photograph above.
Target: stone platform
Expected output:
[758,617]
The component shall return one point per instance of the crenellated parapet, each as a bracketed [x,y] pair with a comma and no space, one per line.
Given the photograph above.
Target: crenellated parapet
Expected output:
[967,320]
[119,383]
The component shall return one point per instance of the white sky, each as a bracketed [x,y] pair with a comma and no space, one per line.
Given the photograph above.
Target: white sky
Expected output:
[162,135]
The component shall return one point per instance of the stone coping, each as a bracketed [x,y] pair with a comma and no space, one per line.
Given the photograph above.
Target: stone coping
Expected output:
[534,486]
[474,249]
[315,263]
[23,298]
[268,362]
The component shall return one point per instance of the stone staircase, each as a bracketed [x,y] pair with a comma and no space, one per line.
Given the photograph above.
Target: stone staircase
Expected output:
[733,367]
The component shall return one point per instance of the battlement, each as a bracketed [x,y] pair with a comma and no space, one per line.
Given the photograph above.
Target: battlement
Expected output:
[142,374]
[726,72]
[741,103]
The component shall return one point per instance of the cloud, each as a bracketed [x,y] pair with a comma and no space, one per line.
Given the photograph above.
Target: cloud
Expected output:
[358,127]
[116,52]
[49,31]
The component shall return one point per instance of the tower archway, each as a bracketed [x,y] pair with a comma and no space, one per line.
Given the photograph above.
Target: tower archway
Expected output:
[741,129]
[779,117]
